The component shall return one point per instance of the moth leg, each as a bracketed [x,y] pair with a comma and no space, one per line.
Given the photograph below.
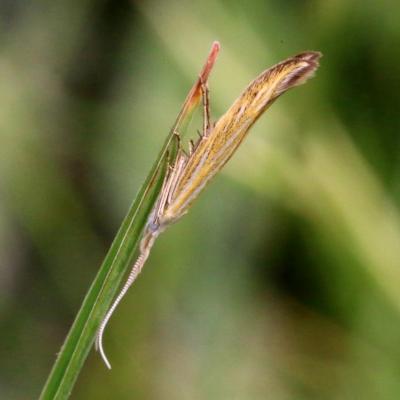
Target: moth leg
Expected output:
[180,163]
[206,108]
[177,135]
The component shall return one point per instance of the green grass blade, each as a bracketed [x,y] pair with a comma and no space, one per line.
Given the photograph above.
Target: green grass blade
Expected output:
[119,258]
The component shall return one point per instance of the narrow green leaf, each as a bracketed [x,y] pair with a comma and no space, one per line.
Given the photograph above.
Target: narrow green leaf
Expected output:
[119,259]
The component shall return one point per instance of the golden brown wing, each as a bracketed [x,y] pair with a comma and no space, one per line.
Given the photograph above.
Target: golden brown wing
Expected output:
[217,146]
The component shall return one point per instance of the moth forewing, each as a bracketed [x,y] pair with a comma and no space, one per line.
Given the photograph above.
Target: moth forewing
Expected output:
[215,149]
[233,126]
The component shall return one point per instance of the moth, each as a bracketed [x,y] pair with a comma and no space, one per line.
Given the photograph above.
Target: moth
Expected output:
[190,172]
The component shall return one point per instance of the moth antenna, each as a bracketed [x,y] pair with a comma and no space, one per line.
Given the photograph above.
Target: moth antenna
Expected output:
[137,267]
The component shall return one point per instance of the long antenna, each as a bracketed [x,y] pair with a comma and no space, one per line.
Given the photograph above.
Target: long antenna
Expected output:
[137,267]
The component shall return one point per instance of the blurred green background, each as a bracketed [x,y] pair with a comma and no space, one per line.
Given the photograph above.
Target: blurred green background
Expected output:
[283,282]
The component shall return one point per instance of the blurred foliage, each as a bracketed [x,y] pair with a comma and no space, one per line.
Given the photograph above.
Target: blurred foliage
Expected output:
[283,281]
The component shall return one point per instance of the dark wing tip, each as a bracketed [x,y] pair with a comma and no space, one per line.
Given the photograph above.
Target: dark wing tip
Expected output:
[301,67]
[311,59]
[313,56]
